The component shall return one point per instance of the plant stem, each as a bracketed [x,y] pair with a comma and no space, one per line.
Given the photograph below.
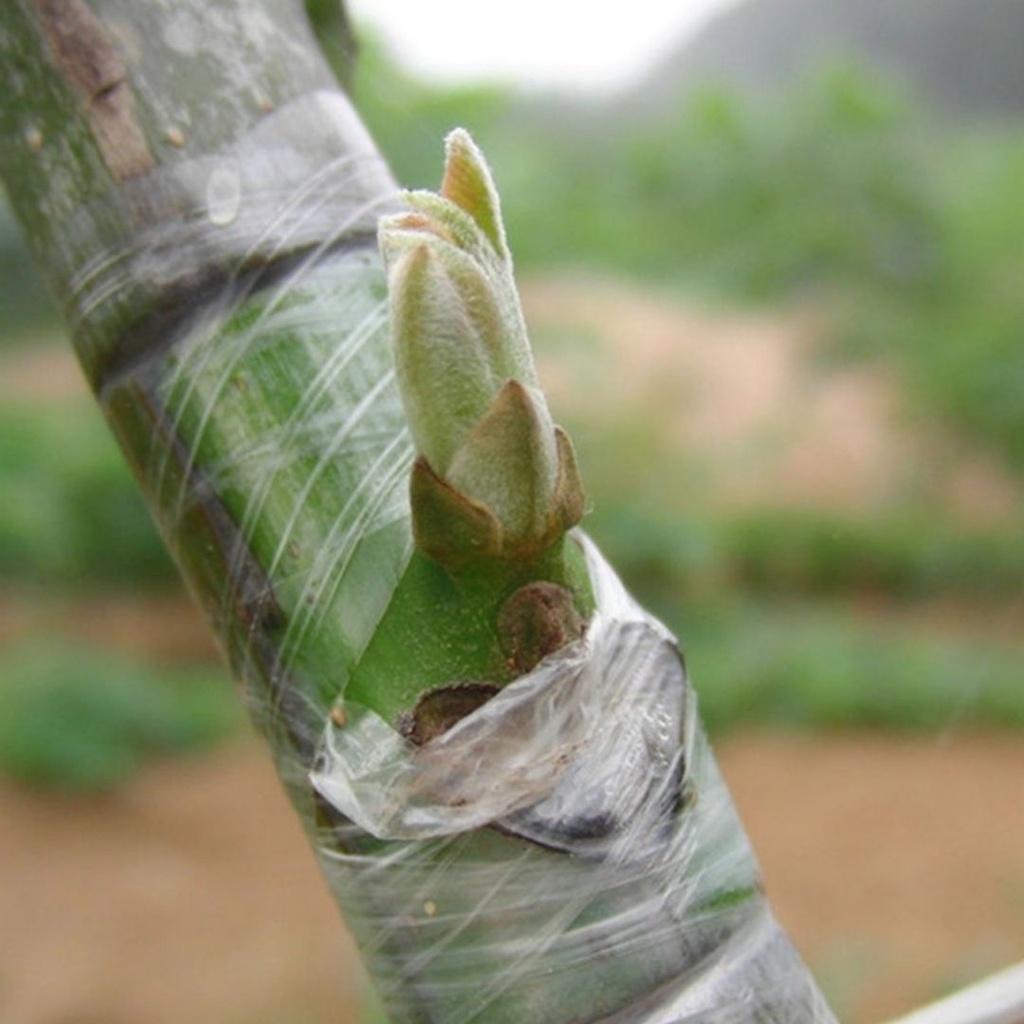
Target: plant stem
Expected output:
[204,202]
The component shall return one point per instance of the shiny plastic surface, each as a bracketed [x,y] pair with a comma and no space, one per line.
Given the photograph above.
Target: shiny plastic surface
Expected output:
[567,852]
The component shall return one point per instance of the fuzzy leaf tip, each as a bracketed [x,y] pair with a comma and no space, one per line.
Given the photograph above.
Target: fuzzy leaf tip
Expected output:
[468,183]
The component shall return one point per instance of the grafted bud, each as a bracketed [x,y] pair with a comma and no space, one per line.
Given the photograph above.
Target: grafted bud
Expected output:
[495,477]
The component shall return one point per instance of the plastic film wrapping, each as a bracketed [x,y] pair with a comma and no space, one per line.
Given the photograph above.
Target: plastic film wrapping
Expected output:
[567,853]
[260,412]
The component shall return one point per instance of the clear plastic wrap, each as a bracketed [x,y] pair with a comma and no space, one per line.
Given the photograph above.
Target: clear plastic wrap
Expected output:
[567,852]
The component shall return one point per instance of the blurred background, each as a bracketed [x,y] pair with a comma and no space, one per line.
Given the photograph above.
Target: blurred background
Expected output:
[772,259]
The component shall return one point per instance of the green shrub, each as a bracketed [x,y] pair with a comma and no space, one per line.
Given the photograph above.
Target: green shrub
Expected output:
[72,514]
[80,719]
[804,665]
[897,554]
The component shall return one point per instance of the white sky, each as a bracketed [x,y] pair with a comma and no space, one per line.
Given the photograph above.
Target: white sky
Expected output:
[560,43]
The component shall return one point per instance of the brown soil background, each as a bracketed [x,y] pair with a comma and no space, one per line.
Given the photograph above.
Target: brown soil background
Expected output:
[897,866]
[896,863]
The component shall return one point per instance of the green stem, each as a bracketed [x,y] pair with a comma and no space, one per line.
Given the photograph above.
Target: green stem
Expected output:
[212,282]
[204,202]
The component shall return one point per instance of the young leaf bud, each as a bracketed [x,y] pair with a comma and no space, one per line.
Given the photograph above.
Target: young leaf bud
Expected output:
[495,476]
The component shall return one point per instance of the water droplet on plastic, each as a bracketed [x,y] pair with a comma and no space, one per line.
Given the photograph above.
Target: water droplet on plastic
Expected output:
[223,195]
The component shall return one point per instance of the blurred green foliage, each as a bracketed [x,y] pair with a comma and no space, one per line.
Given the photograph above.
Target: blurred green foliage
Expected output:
[72,515]
[81,719]
[903,555]
[898,555]
[812,665]
[751,202]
